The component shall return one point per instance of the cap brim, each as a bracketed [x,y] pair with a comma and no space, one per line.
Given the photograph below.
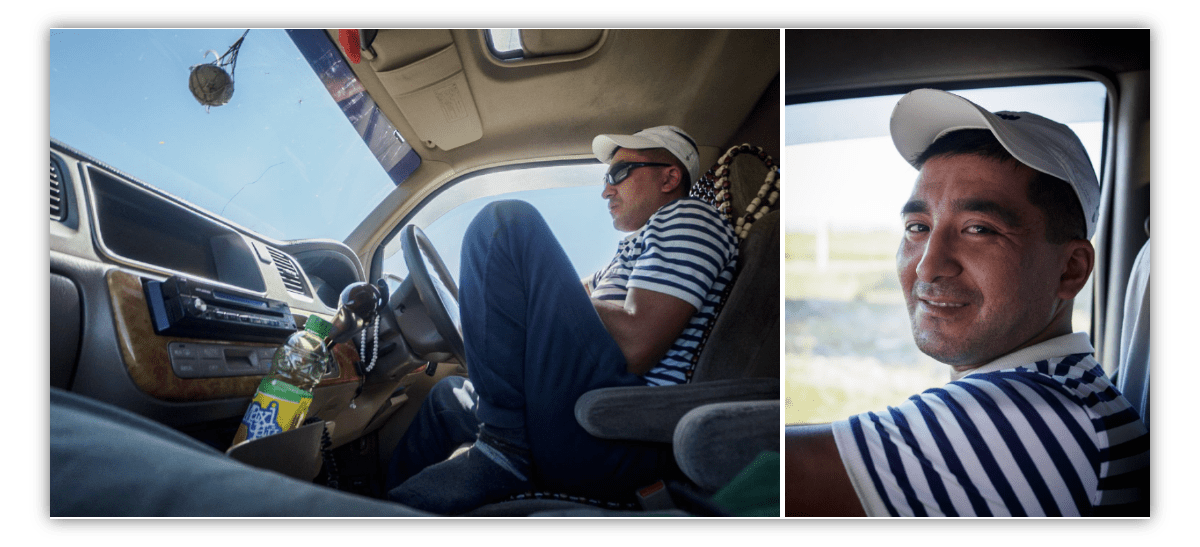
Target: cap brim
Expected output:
[926,114]
[604,146]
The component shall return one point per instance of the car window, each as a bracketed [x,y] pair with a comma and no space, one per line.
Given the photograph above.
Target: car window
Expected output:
[280,158]
[848,344]
[505,42]
[567,196]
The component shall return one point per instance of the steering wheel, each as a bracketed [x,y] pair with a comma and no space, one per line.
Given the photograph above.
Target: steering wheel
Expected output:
[438,331]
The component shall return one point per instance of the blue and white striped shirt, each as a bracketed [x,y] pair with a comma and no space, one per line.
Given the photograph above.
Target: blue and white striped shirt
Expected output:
[1039,432]
[685,250]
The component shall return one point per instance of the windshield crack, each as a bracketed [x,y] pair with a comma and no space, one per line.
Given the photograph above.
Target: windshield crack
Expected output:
[231,198]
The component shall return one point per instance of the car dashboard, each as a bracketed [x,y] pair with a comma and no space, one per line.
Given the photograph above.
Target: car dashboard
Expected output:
[116,241]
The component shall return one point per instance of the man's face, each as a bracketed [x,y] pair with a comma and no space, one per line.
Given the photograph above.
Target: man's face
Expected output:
[979,277]
[635,199]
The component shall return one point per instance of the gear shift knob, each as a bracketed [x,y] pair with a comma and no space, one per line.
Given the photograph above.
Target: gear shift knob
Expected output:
[357,306]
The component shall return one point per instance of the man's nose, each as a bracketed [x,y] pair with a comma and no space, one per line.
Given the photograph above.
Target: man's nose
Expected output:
[607,190]
[939,257]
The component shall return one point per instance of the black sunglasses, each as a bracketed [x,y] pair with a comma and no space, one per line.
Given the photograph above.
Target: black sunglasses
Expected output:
[620,170]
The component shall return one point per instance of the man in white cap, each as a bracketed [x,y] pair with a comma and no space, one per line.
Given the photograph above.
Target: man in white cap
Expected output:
[995,249]
[536,340]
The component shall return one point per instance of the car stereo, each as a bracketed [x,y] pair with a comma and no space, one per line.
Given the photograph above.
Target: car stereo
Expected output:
[193,308]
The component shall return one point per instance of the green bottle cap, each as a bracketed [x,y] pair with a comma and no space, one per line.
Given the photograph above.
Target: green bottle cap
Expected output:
[318,326]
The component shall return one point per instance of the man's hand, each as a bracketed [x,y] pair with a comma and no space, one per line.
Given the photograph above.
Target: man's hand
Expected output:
[815,481]
[645,327]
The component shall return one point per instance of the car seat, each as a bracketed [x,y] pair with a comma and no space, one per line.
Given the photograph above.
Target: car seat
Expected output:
[728,413]
[1133,371]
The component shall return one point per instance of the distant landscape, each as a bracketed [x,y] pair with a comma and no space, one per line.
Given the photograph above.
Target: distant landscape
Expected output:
[848,347]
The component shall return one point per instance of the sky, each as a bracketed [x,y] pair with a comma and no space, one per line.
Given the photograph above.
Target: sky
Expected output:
[280,158]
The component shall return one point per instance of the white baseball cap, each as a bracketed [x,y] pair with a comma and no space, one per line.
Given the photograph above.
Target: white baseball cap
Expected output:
[925,115]
[675,140]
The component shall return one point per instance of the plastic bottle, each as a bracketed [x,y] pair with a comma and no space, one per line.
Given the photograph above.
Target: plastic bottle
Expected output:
[281,402]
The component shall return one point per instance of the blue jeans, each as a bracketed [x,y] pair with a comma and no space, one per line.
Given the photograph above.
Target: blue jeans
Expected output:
[534,345]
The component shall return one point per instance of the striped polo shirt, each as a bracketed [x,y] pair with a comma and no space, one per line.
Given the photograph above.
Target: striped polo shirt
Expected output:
[1038,432]
[685,250]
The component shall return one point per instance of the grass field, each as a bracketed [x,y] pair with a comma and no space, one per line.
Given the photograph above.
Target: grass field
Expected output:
[824,389]
[876,245]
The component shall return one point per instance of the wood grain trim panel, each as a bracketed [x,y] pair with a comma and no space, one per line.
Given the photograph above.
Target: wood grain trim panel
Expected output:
[146,359]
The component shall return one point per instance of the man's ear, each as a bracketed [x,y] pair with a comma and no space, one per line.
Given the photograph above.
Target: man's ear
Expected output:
[673,179]
[1080,258]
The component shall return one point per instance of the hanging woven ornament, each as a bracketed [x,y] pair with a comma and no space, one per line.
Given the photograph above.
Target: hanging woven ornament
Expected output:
[715,188]
[209,82]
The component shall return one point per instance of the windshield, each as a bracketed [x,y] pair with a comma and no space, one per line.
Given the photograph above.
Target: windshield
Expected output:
[280,158]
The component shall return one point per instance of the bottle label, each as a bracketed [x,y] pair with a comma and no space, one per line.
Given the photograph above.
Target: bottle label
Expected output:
[277,407]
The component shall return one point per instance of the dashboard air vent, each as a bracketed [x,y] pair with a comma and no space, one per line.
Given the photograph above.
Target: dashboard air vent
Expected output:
[58,203]
[288,271]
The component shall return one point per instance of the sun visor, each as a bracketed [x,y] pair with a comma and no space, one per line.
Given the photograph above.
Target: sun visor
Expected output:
[434,97]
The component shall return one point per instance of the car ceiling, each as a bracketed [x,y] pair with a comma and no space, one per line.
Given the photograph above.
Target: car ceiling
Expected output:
[706,81]
[825,64]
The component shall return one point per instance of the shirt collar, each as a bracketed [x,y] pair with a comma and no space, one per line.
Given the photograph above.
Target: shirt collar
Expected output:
[1067,344]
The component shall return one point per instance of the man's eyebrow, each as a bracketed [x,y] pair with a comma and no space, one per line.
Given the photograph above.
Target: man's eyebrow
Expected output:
[1006,214]
[914,206]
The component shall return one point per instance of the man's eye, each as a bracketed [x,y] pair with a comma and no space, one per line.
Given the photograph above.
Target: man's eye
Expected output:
[916,228]
[980,230]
